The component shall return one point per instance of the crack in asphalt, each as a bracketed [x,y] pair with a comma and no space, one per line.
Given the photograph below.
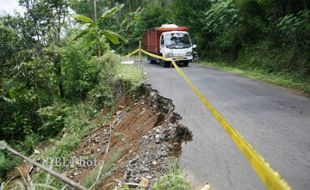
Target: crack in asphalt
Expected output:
[228,174]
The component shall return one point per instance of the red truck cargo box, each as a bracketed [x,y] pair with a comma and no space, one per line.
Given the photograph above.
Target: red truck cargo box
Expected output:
[152,37]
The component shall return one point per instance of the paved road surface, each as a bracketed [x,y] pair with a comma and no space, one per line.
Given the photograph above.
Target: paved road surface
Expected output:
[274,120]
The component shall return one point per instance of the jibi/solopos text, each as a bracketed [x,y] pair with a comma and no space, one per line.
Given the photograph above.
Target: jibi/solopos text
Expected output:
[73,161]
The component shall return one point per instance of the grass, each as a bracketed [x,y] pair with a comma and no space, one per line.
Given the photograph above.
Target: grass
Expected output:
[108,166]
[281,79]
[46,182]
[173,180]
[77,125]
[82,118]
[132,73]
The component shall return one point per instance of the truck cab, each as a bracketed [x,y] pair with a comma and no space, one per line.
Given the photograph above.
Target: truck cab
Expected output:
[176,45]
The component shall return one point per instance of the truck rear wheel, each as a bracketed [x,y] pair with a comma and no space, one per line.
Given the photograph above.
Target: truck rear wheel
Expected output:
[151,60]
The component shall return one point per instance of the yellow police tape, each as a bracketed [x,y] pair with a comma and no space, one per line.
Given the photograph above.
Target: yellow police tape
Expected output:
[137,50]
[269,177]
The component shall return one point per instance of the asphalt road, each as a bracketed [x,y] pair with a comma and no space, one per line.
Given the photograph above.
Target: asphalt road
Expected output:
[275,121]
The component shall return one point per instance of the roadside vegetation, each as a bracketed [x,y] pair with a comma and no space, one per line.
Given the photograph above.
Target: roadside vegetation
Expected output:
[281,79]
[174,179]
[56,76]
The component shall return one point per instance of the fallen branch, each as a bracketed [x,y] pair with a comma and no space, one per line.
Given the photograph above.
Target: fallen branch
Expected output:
[5,146]
[108,147]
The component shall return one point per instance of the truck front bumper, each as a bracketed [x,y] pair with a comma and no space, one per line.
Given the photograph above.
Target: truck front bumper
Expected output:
[183,58]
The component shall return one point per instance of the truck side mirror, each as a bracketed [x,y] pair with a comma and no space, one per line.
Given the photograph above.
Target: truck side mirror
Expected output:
[194,46]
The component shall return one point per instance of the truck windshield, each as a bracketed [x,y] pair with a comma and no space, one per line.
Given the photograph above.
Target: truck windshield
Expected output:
[177,40]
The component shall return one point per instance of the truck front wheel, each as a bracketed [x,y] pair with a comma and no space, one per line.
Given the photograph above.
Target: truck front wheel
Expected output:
[164,63]
[185,64]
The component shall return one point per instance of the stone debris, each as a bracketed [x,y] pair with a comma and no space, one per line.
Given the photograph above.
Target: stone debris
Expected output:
[158,146]
[144,182]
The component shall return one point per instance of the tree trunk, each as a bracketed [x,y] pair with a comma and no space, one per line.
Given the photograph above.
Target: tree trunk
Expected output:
[60,79]
[97,32]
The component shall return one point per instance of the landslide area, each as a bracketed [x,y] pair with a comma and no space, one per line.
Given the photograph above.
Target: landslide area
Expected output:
[138,146]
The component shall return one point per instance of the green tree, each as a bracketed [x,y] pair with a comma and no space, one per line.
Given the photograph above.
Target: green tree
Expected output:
[190,14]
[29,78]
[91,28]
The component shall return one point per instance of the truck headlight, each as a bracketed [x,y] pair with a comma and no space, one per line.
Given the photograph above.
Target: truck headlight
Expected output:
[189,53]
[168,55]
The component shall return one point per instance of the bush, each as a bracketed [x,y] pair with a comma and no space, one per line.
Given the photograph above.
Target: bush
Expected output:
[270,59]
[79,72]
[294,29]
[102,94]
[53,119]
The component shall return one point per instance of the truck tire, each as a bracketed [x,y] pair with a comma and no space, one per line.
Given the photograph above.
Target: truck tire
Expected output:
[164,63]
[195,57]
[185,64]
[151,60]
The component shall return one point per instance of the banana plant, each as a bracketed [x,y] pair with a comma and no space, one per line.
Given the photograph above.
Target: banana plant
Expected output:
[91,27]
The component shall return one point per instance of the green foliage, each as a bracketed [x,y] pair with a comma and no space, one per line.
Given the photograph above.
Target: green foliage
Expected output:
[102,94]
[23,94]
[221,17]
[191,14]
[93,29]
[76,125]
[109,13]
[19,96]
[113,37]
[154,16]
[137,22]
[2,160]
[53,117]
[272,36]
[79,121]
[79,72]
[273,61]
[295,28]
[10,46]
[84,20]
[26,83]
[224,20]
[283,79]
[44,65]
[173,180]
[109,165]
[7,161]
[131,73]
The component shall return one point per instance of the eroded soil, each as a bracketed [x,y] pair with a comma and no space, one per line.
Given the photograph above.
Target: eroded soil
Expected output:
[142,140]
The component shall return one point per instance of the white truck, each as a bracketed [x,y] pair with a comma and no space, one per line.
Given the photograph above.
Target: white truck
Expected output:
[169,41]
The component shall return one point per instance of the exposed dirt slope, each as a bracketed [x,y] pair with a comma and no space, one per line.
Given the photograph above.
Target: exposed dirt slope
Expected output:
[145,137]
